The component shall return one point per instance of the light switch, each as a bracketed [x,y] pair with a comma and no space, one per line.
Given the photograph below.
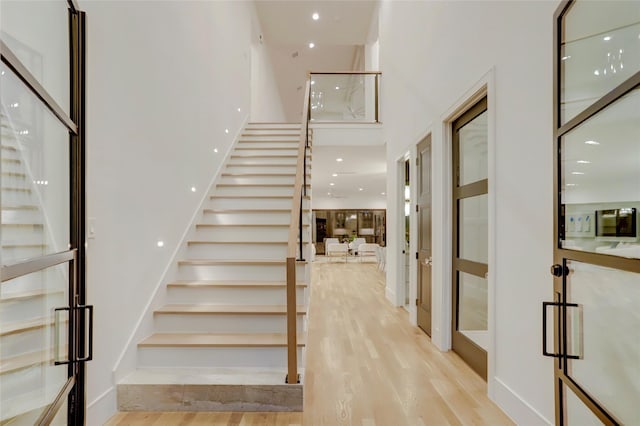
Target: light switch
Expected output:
[91,228]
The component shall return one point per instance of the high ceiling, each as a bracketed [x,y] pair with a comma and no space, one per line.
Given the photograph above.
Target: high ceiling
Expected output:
[340,33]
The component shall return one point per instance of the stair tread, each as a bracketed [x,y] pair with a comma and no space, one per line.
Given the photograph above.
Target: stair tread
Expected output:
[238,242]
[213,262]
[18,245]
[218,340]
[267,148]
[23,224]
[184,308]
[19,207]
[250,211]
[10,297]
[207,376]
[205,283]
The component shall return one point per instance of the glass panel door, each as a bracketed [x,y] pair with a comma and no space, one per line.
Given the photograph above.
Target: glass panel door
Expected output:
[43,318]
[470,237]
[597,187]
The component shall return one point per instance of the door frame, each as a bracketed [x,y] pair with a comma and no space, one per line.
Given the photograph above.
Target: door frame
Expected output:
[414,211]
[442,145]
[400,291]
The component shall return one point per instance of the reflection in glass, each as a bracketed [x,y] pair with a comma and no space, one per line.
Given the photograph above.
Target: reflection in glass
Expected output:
[343,97]
[601,181]
[473,150]
[30,381]
[473,238]
[37,32]
[576,412]
[600,50]
[610,367]
[472,306]
[35,175]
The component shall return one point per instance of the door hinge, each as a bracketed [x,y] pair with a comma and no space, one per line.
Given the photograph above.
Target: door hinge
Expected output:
[417,161]
[417,256]
[417,304]
[417,208]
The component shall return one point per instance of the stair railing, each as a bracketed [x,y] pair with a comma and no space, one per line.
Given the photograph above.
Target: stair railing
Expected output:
[295,234]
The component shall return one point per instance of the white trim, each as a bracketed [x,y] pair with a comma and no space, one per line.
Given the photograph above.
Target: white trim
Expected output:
[400,229]
[390,294]
[442,339]
[516,407]
[102,408]
[126,362]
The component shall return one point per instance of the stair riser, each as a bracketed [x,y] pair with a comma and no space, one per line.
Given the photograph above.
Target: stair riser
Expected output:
[253,190]
[10,197]
[27,380]
[242,168]
[223,323]
[233,295]
[35,281]
[26,341]
[22,233]
[252,144]
[237,251]
[12,167]
[263,160]
[249,218]
[214,357]
[253,203]
[232,233]
[283,130]
[264,150]
[11,153]
[287,180]
[269,138]
[27,309]
[262,126]
[11,254]
[21,216]
[237,272]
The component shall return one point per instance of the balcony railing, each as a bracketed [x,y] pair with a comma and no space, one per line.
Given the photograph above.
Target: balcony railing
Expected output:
[344,97]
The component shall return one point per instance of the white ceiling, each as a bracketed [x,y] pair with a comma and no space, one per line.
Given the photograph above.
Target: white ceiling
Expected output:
[339,36]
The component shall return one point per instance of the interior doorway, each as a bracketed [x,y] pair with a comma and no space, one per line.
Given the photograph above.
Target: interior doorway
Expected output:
[406,252]
[423,208]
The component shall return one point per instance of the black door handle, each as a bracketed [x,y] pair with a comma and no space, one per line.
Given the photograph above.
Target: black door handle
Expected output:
[544,328]
[89,356]
[558,270]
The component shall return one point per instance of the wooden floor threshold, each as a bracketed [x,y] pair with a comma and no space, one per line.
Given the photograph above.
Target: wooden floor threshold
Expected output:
[203,309]
[233,284]
[198,340]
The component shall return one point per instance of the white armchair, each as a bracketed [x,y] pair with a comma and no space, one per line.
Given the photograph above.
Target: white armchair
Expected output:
[367,249]
[338,249]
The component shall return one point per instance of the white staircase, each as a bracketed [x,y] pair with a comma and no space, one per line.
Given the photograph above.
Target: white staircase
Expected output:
[28,378]
[220,341]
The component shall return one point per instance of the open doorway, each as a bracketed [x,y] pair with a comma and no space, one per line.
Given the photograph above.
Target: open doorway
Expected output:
[407,232]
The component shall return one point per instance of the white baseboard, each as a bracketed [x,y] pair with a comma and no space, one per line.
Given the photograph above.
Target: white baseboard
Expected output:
[520,411]
[102,408]
[391,295]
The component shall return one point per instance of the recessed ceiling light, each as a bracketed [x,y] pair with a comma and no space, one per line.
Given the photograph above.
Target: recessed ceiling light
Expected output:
[583,162]
[571,184]
[239,110]
[360,189]
[383,193]
[312,45]
[315,16]
[331,184]
[606,38]
[339,160]
[160,243]
[592,142]
[577,173]
[328,193]
[337,87]
[334,175]
[193,189]
[564,58]
[215,150]
[226,130]
[596,72]
[313,82]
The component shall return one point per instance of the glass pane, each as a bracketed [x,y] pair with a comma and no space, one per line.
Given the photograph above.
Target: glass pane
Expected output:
[600,50]
[35,175]
[343,97]
[576,413]
[30,380]
[473,238]
[610,366]
[473,150]
[37,32]
[472,308]
[63,413]
[601,181]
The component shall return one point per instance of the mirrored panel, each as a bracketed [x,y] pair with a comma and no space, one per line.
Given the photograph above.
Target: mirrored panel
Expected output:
[37,32]
[32,336]
[35,175]
[600,170]
[473,237]
[473,150]
[609,368]
[600,49]
[472,308]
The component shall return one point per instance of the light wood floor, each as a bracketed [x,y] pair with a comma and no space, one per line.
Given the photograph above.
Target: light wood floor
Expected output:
[366,366]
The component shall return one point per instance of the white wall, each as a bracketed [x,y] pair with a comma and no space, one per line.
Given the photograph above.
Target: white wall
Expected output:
[352,202]
[431,54]
[165,79]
